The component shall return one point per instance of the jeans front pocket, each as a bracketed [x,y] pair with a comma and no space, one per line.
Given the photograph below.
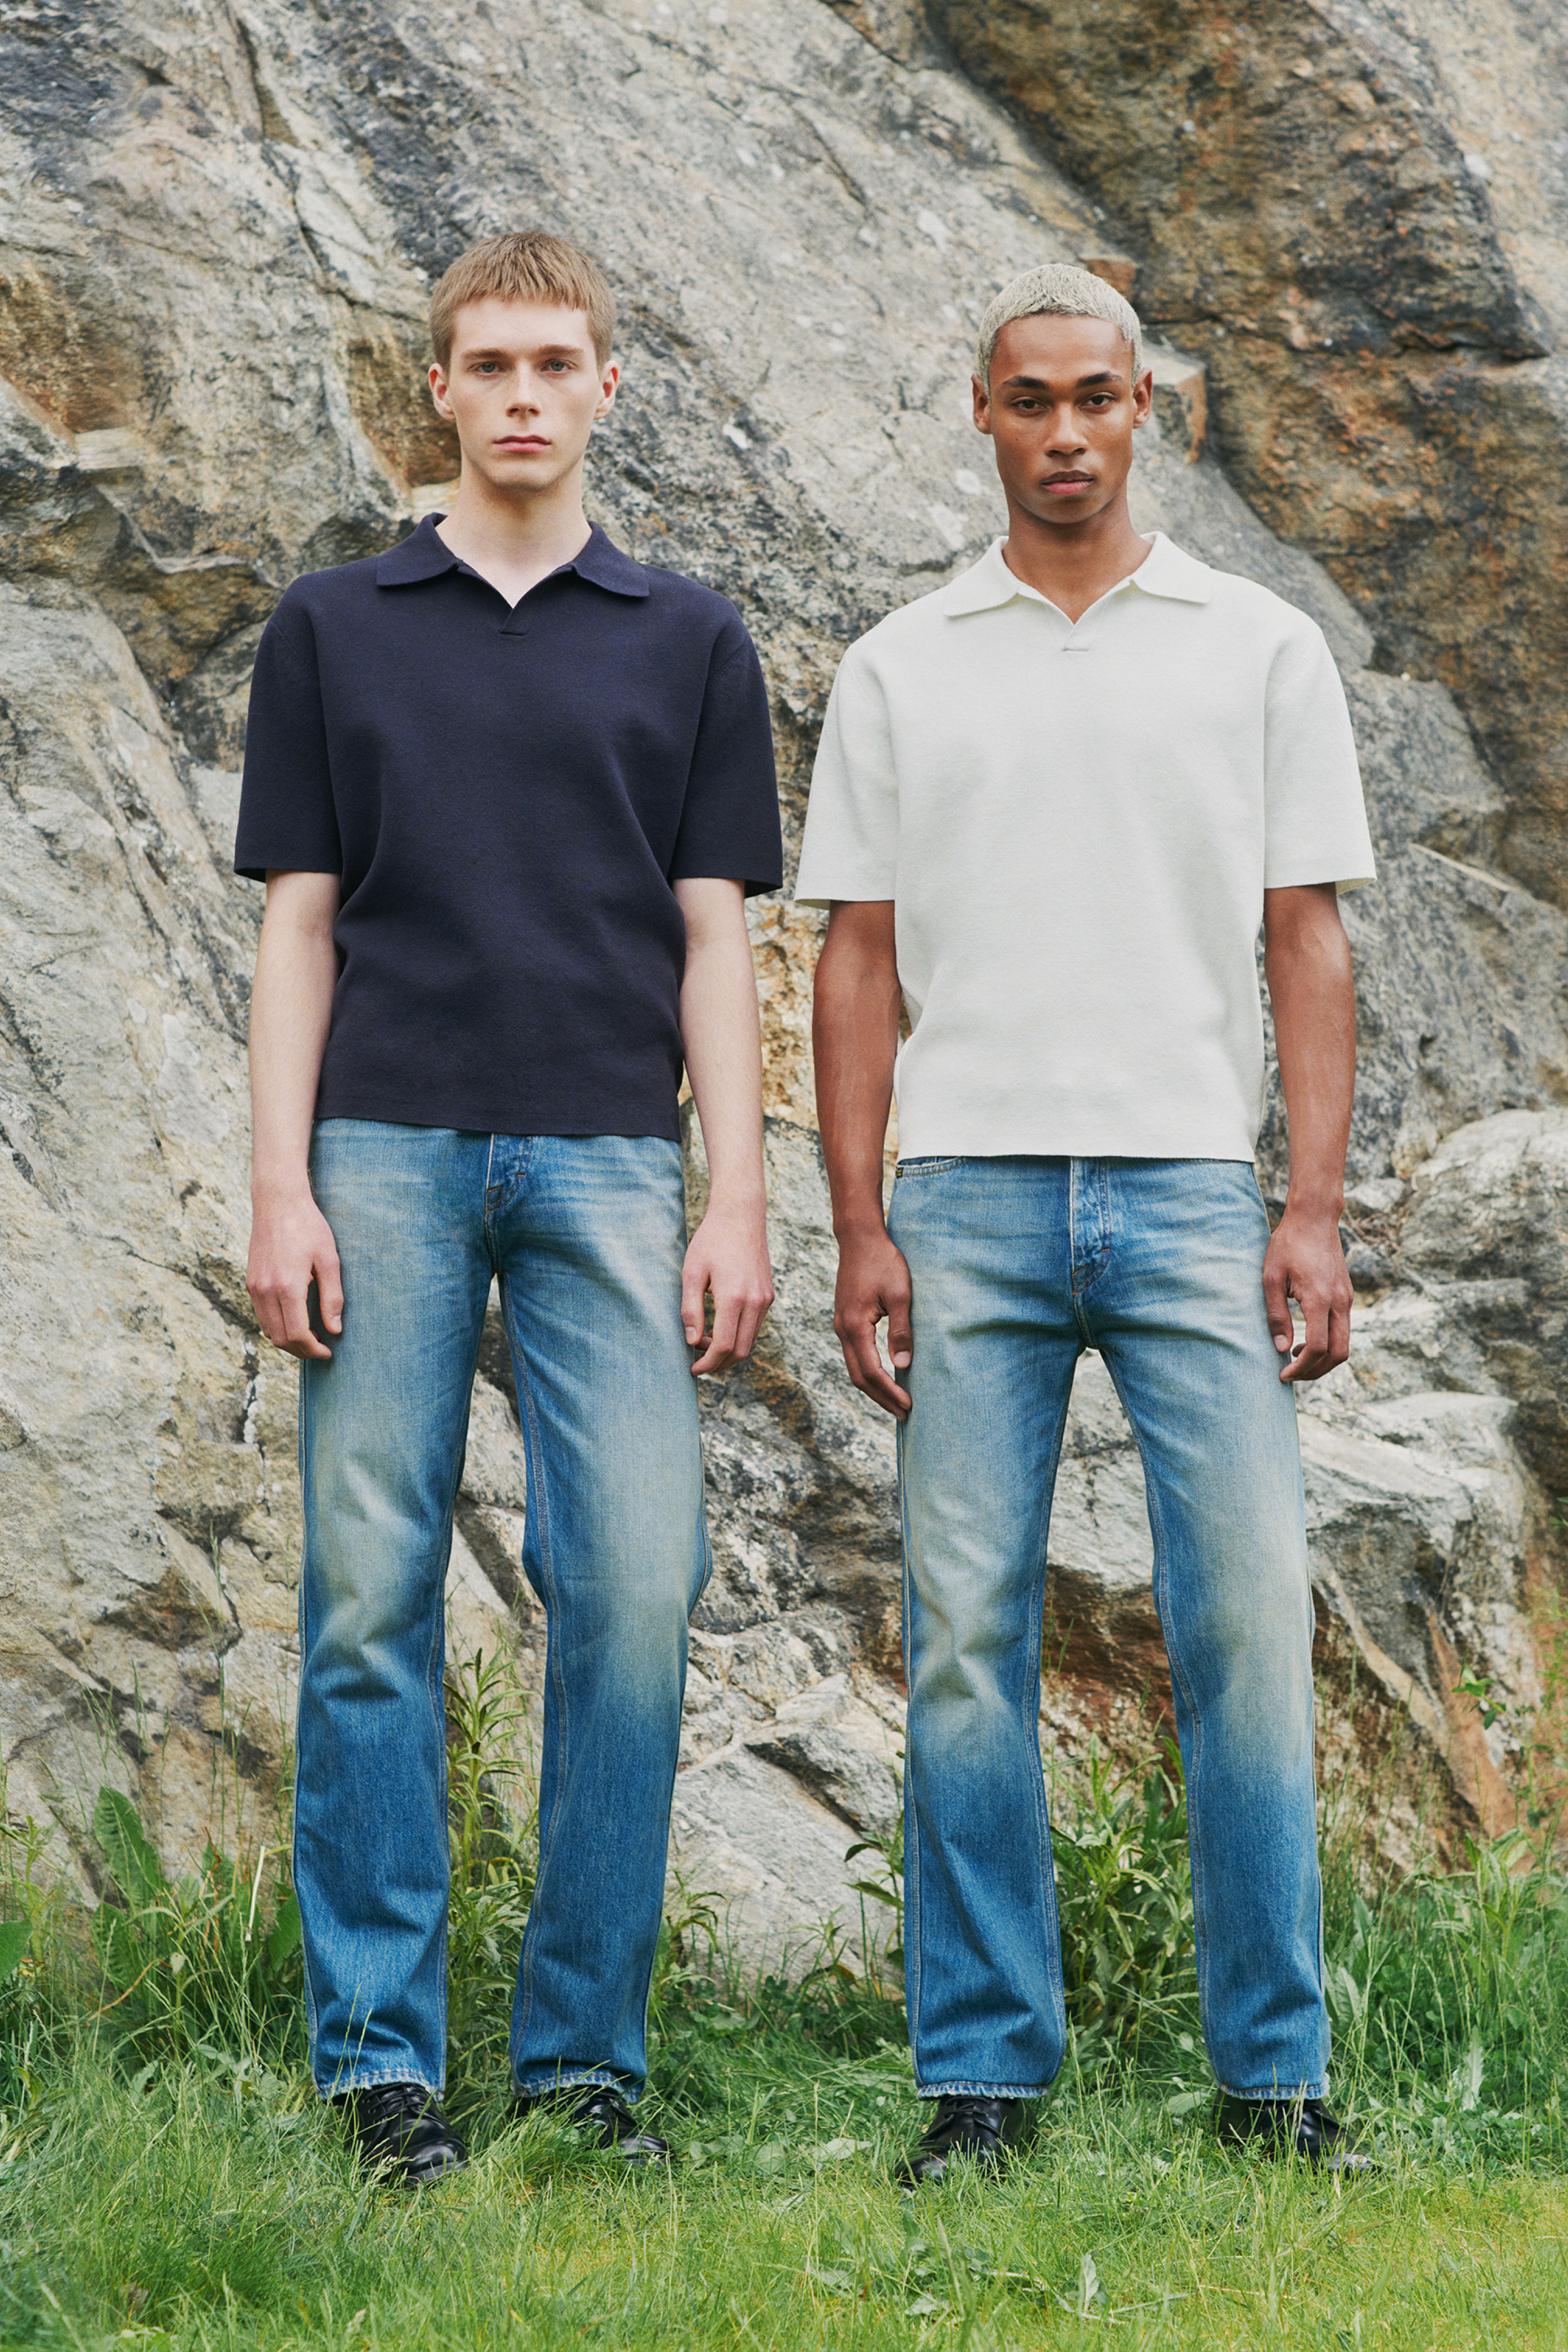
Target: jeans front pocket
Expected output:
[928,1167]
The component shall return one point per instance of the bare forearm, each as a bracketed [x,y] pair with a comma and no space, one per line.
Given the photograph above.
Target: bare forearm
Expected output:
[721,1039]
[290,1012]
[726,1258]
[854,1031]
[292,1244]
[854,1038]
[1307,961]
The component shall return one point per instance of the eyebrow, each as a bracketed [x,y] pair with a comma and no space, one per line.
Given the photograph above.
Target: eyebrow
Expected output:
[1038,382]
[542,351]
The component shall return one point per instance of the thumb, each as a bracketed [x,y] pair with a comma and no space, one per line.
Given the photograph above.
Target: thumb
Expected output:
[329,1288]
[900,1335]
[1276,1305]
[693,1290]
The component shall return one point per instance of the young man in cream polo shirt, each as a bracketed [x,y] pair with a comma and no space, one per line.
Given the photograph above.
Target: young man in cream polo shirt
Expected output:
[1053,803]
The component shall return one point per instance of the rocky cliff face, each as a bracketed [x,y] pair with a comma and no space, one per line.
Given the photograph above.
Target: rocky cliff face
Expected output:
[1356,211]
[219,227]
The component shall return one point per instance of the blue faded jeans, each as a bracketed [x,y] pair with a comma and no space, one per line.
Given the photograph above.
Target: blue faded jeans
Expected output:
[1018,1267]
[587,1234]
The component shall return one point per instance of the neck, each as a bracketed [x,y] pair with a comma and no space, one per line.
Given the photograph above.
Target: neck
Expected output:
[1073,564]
[515,538]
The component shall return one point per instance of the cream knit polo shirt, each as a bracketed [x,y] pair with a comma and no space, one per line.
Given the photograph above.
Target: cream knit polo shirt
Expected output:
[1077,823]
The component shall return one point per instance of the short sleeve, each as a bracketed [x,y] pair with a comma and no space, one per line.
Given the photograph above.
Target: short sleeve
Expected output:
[729,818]
[1315,826]
[851,845]
[286,817]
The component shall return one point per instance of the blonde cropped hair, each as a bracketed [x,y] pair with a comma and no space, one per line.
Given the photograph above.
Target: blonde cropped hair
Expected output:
[525,265]
[1057,289]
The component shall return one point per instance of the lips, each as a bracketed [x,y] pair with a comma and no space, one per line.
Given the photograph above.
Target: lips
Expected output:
[1069,482]
[522,445]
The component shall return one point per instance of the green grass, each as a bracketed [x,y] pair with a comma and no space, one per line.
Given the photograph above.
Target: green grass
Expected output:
[167,2177]
[193,2211]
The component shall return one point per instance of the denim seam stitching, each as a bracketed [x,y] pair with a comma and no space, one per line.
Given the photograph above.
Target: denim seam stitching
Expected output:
[983,2089]
[374,2082]
[312,2014]
[1178,1672]
[1279,2098]
[562,2081]
[1101,1181]
[435,1689]
[1037,1612]
[911,1814]
[538,1502]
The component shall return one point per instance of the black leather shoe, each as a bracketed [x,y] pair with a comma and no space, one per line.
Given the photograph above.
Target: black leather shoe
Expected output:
[598,2110]
[398,2127]
[983,2130]
[1302,2127]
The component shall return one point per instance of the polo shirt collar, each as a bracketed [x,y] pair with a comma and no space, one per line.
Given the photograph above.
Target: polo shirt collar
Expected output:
[1165,571]
[424,555]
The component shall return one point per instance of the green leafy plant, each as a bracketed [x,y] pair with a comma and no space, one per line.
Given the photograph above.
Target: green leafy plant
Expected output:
[192,1964]
[493,1819]
[884,1888]
[1454,1984]
[15,1937]
[1124,1898]
[1477,1686]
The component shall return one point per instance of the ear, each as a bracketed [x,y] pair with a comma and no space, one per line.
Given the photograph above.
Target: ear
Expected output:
[982,405]
[1143,397]
[438,393]
[610,377]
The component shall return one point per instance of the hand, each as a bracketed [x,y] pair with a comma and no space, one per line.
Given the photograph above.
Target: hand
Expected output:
[874,1282]
[727,1256]
[292,1247]
[1305,1262]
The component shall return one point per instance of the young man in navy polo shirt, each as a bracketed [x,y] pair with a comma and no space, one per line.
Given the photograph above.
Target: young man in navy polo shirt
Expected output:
[508,790]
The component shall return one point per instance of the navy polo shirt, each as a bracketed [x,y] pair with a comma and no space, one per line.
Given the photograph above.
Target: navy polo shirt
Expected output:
[509,795]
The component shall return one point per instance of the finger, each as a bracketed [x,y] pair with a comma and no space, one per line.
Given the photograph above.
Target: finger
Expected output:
[305,1351]
[1276,1305]
[298,1337]
[693,1291]
[900,1335]
[748,1324]
[720,1352]
[1311,1355]
[864,1366]
[328,1276]
[268,1314]
[1333,1349]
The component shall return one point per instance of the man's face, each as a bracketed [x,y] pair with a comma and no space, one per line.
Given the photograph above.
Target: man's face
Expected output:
[1062,412]
[524,389]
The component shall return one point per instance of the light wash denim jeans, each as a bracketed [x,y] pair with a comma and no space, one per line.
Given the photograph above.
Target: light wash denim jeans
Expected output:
[587,1234]
[1018,1266]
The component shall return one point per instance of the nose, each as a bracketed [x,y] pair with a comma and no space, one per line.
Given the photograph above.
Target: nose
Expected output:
[1065,439]
[521,398]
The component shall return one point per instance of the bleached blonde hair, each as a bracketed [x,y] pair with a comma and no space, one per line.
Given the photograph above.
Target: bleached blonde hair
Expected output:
[525,265]
[1057,289]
